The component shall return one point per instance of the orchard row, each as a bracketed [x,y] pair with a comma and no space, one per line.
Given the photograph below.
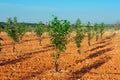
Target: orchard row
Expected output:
[59,31]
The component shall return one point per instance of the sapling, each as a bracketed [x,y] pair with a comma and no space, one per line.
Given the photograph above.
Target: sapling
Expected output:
[59,30]
[80,31]
[79,37]
[11,31]
[21,30]
[39,31]
[97,31]
[9,21]
[78,23]
[15,20]
[15,31]
[90,33]
[69,33]
[102,28]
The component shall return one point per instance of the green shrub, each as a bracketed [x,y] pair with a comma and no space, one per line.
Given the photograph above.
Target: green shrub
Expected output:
[102,29]
[59,30]
[39,31]
[97,31]
[80,32]
[90,32]
[15,31]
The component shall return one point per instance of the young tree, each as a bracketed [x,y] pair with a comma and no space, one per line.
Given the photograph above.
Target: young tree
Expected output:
[80,31]
[9,21]
[15,31]
[97,31]
[90,33]
[59,30]
[39,31]
[79,37]
[21,30]
[78,23]
[15,20]
[102,28]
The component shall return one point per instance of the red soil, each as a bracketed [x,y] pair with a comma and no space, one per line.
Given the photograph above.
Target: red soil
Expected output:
[30,61]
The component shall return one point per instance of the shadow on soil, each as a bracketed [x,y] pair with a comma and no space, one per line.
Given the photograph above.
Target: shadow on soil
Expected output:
[23,57]
[30,75]
[47,46]
[103,43]
[86,69]
[78,74]
[107,39]
[96,54]
[101,46]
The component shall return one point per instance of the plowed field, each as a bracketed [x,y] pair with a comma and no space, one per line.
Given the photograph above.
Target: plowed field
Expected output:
[30,61]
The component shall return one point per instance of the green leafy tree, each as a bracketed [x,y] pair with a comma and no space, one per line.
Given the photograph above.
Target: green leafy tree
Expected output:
[39,31]
[102,29]
[15,20]
[78,23]
[97,31]
[59,30]
[15,31]
[90,33]
[21,30]
[9,21]
[80,31]
[11,31]
[79,37]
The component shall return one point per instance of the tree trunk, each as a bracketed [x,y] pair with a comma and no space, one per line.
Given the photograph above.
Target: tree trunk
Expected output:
[40,42]
[79,50]
[89,43]
[13,47]
[40,39]
[97,37]
[101,35]
[56,66]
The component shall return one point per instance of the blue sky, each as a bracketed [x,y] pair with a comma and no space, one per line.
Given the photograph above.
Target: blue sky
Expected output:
[107,11]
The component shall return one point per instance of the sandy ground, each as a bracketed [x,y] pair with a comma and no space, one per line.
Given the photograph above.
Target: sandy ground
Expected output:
[30,61]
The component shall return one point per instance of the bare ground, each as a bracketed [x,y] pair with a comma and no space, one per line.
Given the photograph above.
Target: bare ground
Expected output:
[30,61]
